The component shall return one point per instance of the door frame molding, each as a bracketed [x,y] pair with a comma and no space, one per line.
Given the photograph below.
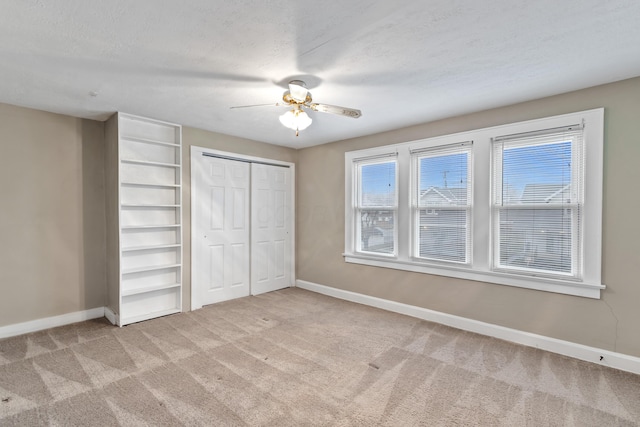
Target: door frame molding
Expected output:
[197,152]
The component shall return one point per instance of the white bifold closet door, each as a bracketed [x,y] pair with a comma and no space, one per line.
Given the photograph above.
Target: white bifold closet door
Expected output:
[223,230]
[270,223]
[242,241]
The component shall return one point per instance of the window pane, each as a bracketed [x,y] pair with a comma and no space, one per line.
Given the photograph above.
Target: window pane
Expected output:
[443,234]
[537,174]
[377,231]
[378,184]
[536,239]
[443,180]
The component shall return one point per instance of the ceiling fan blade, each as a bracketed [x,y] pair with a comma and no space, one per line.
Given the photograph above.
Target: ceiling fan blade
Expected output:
[277,104]
[334,109]
[298,90]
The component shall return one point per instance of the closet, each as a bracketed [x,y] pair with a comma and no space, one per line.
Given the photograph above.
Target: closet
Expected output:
[242,226]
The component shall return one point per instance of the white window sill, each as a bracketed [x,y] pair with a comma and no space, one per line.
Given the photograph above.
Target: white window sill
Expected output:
[542,284]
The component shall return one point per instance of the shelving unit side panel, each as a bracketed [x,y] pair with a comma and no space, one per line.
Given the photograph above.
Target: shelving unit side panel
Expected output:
[178,132]
[112,188]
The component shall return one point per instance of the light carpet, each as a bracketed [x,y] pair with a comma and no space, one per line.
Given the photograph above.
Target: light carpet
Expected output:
[296,358]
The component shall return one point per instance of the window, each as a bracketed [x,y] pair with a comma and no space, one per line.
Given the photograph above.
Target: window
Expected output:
[537,202]
[376,206]
[518,205]
[442,203]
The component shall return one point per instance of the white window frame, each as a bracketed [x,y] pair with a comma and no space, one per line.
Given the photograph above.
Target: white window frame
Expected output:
[481,268]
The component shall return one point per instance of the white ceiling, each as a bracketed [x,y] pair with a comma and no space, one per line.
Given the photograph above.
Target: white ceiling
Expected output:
[400,62]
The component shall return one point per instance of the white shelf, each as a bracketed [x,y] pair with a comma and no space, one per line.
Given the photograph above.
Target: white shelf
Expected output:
[150,268]
[142,227]
[143,290]
[141,184]
[150,247]
[149,141]
[147,316]
[148,163]
[146,205]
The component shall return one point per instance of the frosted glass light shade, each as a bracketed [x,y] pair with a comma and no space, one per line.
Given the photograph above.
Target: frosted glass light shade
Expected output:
[295,119]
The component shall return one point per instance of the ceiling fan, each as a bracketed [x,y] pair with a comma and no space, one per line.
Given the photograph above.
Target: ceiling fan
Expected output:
[298,98]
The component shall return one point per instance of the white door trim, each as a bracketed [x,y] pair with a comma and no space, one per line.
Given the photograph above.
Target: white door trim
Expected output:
[196,152]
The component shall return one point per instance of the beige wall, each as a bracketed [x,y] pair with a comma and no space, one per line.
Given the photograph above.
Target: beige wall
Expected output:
[201,138]
[52,222]
[610,323]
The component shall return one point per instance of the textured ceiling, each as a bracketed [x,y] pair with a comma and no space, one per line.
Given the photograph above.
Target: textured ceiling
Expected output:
[400,62]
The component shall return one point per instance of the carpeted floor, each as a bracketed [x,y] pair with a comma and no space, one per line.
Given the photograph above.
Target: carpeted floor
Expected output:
[295,358]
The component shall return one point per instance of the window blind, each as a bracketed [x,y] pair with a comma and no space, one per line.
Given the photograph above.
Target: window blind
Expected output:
[537,199]
[442,203]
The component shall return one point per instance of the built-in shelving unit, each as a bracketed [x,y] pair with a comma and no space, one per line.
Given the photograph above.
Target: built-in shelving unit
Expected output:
[144,219]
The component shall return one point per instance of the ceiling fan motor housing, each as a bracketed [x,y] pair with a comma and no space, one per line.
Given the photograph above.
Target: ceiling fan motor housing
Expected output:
[290,99]
[298,91]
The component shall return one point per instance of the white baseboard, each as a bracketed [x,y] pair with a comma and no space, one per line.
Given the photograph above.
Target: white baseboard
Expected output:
[111,316]
[50,322]
[590,354]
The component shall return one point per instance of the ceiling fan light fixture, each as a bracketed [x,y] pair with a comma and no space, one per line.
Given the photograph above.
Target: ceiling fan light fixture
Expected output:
[298,98]
[296,119]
